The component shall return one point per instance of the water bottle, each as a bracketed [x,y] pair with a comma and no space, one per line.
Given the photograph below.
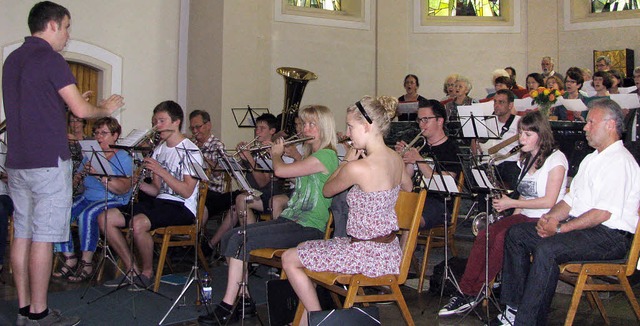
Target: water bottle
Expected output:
[206,288]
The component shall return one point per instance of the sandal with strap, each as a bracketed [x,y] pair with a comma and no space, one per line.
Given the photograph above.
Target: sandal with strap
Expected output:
[66,270]
[81,273]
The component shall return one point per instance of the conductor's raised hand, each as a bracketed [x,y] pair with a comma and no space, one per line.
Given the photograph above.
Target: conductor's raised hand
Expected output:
[112,103]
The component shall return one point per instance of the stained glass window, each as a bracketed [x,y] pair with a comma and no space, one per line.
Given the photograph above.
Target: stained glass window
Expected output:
[332,5]
[477,8]
[598,6]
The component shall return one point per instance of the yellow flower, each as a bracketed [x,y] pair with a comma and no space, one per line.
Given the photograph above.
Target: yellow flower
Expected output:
[534,94]
[546,92]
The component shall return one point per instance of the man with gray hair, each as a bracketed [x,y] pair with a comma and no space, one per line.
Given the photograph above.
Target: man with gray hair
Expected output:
[548,66]
[595,221]
[603,63]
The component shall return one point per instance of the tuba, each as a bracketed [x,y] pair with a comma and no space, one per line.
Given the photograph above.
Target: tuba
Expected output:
[295,81]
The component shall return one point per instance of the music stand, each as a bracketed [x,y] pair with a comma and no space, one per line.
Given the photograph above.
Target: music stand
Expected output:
[247,116]
[478,122]
[445,185]
[97,158]
[234,168]
[480,184]
[135,149]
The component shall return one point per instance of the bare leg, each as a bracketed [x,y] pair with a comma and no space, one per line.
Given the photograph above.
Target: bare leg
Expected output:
[144,243]
[230,219]
[40,260]
[300,282]
[20,264]
[279,204]
[111,227]
[233,280]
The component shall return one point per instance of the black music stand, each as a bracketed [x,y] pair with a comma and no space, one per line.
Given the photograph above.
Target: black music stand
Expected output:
[247,116]
[99,162]
[134,145]
[194,274]
[476,123]
[481,185]
[445,185]
[233,167]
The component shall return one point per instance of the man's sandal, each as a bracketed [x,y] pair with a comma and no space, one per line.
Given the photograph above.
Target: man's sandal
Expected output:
[81,273]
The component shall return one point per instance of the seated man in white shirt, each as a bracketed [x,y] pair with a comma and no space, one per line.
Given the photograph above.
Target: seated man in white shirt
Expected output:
[595,221]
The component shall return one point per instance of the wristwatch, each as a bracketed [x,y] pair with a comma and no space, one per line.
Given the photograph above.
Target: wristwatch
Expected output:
[558,231]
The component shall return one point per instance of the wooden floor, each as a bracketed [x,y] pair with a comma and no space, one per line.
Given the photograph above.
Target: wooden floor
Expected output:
[424,306]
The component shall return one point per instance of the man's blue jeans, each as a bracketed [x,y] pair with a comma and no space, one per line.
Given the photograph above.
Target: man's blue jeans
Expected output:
[530,285]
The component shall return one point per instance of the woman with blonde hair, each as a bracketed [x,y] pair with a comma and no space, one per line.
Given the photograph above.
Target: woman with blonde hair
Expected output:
[372,247]
[305,217]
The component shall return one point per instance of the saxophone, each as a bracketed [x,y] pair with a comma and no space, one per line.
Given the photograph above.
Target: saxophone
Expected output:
[481,221]
[153,138]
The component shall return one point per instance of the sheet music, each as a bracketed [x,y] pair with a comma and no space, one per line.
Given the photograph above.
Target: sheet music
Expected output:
[92,151]
[523,104]
[193,163]
[490,90]
[133,138]
[627,90]
[588,88]
[486,124]
[626,101]
[575,105]
[481,179]
[407,107]
[435,183]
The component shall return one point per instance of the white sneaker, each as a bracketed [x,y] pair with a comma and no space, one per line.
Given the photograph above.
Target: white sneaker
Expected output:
[506,318]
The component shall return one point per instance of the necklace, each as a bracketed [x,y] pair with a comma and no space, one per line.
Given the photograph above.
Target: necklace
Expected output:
[436,142]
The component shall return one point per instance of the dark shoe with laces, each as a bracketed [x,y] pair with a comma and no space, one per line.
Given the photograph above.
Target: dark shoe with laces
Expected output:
[457,305]
[219,316]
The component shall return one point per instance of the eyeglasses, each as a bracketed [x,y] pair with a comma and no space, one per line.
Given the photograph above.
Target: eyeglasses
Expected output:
[194,127]
[364,113]
[425,119]
[101,133]
[76,120]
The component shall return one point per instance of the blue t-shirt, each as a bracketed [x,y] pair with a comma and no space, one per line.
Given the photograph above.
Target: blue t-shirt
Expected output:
[36,116]
[121,164]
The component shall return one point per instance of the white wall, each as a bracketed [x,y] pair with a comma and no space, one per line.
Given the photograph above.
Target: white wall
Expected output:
[143,32]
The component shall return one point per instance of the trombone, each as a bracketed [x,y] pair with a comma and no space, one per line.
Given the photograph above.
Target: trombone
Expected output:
[287,142]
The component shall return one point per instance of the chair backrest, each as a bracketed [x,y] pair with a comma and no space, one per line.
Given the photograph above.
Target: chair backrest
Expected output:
[634,251]
[203,188]
[328,232]
[409,210]
[457,203]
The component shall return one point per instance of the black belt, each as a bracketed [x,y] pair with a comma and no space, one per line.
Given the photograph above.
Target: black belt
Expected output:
[626,234]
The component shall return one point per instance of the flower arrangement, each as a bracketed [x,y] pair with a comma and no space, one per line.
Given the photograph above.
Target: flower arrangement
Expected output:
[545,98]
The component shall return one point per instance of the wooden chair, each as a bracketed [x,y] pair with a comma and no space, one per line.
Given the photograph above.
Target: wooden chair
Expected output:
[181,235]
[273,257]
[434,237]
[581,274]
[409,210]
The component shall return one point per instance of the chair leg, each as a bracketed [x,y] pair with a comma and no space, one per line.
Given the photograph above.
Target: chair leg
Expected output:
[425,261]
[299,312]
[161,260]
[203,259]
[452,245]
[402,304]
[624,282]
[575,299]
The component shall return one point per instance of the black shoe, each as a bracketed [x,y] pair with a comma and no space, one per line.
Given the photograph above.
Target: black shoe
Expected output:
[219,316]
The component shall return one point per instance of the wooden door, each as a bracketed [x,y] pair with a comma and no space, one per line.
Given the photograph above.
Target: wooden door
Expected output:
[86,80]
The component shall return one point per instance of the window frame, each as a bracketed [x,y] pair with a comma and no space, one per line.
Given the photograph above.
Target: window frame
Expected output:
[509,22]
[578,16]
[356,14]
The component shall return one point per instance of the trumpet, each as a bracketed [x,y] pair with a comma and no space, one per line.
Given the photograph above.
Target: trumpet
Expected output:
[411,144]
[286,143]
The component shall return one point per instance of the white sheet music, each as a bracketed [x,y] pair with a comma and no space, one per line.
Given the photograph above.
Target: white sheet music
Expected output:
[481,179]
[626,101]
[575,105]
[627,90]
[133,138]
[435,183]
[523,104]
[587,86]
[92,151]
[407,107]
[484,127]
